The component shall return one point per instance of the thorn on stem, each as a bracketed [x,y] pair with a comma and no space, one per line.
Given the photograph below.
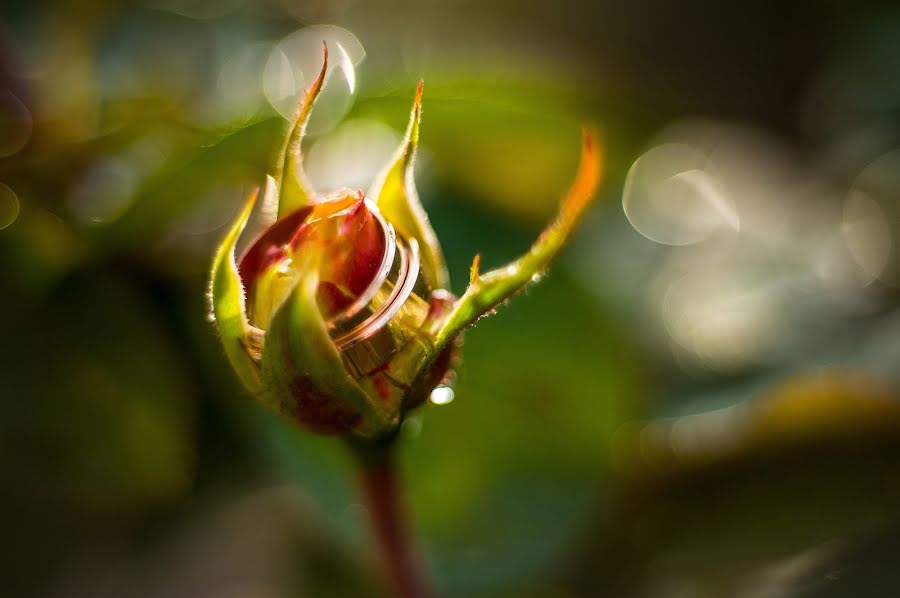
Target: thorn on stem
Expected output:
[474,273]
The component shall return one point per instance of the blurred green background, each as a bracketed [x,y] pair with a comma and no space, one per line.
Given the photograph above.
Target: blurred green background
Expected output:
[701,399]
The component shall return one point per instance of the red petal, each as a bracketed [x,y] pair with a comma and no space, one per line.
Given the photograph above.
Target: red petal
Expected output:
[354,245]
[269,247]
[364,233]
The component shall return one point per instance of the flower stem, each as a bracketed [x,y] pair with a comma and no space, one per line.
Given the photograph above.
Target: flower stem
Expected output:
[380,487]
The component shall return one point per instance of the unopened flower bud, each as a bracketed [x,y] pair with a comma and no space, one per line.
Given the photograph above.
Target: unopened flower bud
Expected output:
[339,315]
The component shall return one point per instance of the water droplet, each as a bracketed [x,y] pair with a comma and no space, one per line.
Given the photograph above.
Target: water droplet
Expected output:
[442,395]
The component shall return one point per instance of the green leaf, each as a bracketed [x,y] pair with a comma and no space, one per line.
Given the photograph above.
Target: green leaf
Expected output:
[226,294]
[306,379]
[198,166]
[485,292]
[294,188]
[396,196]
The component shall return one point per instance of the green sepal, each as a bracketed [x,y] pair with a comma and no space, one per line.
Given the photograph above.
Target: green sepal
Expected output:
[268,209]
[294,188]
[394,192]
[487,291]
[305,377]
[272,287]
[228,303]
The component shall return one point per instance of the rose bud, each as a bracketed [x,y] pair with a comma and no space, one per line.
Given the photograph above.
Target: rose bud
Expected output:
[339,314]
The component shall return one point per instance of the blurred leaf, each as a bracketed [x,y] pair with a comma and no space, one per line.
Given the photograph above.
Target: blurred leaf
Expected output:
[241,156]
[707,502]
[88,419]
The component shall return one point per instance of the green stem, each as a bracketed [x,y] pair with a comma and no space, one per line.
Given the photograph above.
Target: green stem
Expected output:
[380,488]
